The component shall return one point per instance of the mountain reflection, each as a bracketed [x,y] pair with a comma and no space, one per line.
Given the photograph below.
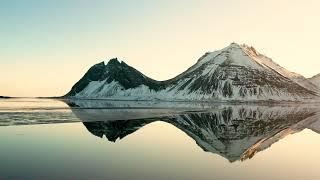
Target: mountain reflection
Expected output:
[236,132]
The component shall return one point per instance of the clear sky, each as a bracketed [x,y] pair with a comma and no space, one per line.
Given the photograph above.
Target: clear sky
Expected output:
[46,46]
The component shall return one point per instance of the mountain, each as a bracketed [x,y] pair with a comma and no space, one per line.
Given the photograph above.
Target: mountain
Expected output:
[237,72]
[315,80]
[107,80]
[4,97]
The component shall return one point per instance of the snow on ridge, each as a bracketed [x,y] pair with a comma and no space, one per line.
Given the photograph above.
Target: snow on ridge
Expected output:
[235,55]
[233,52]
[114,90]
[266,61]
[243,55]
[269,63]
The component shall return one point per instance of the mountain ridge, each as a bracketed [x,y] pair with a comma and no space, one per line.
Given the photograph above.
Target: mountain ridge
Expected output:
[237,72]
[315,80]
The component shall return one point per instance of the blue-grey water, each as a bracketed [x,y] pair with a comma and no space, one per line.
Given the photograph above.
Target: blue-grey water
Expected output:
[98,139]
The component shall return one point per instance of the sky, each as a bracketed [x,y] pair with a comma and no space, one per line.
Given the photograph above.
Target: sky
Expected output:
[47,46]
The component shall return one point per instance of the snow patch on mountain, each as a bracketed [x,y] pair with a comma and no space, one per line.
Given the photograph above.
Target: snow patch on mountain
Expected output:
[269,63]
[113,90]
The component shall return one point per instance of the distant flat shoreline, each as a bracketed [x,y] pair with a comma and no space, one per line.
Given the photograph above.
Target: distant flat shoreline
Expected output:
[261,102]
[4,97]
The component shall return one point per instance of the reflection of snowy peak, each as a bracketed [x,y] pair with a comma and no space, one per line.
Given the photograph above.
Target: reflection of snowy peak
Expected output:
[237,72]
[238,135]
[234,132]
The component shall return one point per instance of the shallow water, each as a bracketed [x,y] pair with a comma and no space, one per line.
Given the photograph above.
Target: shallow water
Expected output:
[147,140]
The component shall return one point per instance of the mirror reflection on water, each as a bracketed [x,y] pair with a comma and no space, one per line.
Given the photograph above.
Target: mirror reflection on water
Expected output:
[158,140]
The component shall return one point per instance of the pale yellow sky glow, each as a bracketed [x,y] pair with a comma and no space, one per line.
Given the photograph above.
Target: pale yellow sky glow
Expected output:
[45,49]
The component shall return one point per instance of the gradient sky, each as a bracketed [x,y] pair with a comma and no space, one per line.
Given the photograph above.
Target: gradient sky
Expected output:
[46,46]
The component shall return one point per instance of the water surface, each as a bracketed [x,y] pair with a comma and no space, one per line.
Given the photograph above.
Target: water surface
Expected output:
[44,138]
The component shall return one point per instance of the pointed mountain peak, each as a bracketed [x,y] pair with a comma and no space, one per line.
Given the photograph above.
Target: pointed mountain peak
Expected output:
[233,54]
[234,44]
[116,62]
[113,61]
[243,47]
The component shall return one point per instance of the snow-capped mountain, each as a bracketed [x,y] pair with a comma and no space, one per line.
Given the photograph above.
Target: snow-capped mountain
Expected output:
[237,72]
[316,80]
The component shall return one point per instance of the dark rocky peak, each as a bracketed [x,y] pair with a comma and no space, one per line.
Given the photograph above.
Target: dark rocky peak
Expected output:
[113,62]
[114,130]
[94,74]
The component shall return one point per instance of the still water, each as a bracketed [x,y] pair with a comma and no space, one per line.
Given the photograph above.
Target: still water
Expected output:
[53,139]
